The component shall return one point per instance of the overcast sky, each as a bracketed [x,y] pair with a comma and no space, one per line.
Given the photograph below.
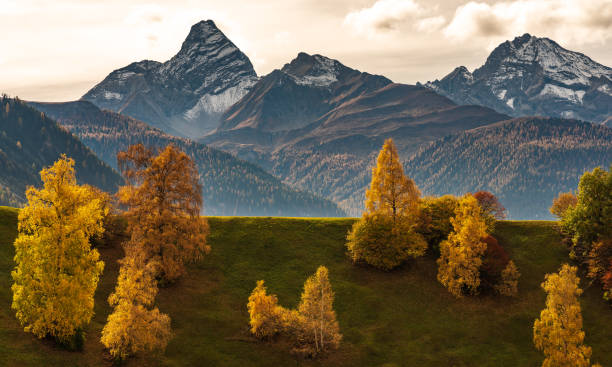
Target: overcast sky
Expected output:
[57,50]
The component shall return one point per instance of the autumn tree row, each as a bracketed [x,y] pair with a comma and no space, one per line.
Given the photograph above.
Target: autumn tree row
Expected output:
[57,270]
[398,224]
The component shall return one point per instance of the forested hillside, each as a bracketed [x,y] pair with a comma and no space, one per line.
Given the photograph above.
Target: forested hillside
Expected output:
[229,186]
[526,162]
[30,141]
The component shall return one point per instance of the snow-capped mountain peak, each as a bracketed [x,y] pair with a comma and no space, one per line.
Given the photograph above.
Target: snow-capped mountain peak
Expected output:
[186,94]
[534,76]
[315,70]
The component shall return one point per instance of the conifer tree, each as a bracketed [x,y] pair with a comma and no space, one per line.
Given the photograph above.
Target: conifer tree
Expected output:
[264,312]
[461,254]
[385,236]
[164,201]
[135,326]
[57,271]
[316,307]
[558,332]
[391,193]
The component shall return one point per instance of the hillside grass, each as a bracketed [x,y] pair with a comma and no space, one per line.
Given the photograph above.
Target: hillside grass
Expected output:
[400,318]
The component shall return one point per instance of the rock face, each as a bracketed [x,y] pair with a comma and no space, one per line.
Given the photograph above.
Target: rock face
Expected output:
[185,95]
[534,76]
[318,124]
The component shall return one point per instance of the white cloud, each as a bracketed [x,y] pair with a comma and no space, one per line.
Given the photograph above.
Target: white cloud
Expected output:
[384,15]
[573,22]
[430,24]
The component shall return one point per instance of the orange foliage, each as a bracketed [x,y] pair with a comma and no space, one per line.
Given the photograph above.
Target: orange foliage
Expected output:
[164,202]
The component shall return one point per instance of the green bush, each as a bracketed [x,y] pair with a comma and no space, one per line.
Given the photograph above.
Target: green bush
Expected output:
[377,241]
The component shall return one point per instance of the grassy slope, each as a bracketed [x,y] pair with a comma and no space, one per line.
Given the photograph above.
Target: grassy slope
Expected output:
[403,318]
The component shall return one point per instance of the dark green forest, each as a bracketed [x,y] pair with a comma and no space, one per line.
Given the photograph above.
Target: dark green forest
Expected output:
[30,141]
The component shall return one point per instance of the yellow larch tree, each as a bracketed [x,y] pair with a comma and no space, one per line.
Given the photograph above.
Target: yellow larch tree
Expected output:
[461,254]
[57,271]
[321,328]
[164,201]
[386,236]
[264,313]
[391,193]
[135,326]
[558,332]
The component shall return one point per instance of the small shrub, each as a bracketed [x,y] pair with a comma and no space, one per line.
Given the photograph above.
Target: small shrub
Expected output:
[435,220]
[494,262]
[377,241]
[508,285]
[265,313]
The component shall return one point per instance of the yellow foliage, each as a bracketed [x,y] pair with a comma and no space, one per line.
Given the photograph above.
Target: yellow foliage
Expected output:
[134,326]
[558,332]
[312,328]
[385,236]
[164,200]
[377,241]
[57,271]
[509,280]
[461,254]
[264,312]
[391,193]
[316,307]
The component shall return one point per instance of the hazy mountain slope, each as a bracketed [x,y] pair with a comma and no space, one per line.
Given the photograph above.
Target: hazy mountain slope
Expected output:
[534,76]
[30,141]
[230,186]
[318,124]
[526,162]
[185,95]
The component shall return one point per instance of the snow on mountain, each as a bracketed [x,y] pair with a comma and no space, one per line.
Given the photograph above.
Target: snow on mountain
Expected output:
[185,95]
[534,76]
[321,71]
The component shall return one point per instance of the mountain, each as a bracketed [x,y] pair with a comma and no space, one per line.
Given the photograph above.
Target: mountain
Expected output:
[229,186]
[526,162]
[534,76]
[30,141]
[186,95]
[318,125]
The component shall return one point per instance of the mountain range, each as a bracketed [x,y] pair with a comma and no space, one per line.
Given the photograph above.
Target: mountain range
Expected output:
[185,95]
[315,125]
[534,76]
[229,186]
[525,161]
[318,124]
[30,141]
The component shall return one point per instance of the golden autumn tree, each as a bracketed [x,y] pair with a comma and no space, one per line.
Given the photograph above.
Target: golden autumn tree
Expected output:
[461,254]
[57,271]
[391,193]
[508,285]
[264,313]
[558,332]
[563,202]
[385,236]
[321,329]
[164,202]
[135,326]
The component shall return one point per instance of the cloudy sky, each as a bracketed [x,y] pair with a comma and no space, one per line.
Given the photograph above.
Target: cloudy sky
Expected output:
[57,50]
